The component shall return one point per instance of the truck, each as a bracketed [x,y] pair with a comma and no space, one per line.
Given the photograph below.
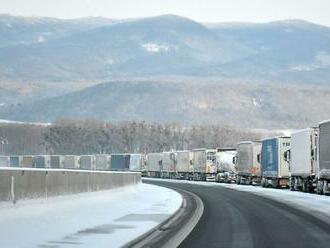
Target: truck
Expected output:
[135,162]
[4,161]
[323,152]
[56,161]
[204,166]
[27,161]
[120,162]
[168,165]
[71,162]
[184,161]
[102,162]
[42,161]
[87,162]
[226,169]
[274,166]
[302,159]
[248,162]
[154,164]
[15,161]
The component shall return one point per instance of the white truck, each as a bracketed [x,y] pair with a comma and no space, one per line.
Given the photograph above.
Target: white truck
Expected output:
[102,162]
[154,164]
[168,164]
[87,162]
[303,159]
[71,162]
[310,159]
[204,165]
[226,169]
[248,162]
[4,161]
[184,160]
[323,152]
[135,163]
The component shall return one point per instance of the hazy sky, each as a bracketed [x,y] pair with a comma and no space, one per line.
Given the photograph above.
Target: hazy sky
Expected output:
[200,10]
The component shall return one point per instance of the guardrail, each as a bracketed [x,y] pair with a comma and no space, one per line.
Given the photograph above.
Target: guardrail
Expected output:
[27,183]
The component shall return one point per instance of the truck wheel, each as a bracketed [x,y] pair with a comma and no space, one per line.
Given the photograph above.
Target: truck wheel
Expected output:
[319,187]
[263,182]
[304,186]
[325,188]
[296,188]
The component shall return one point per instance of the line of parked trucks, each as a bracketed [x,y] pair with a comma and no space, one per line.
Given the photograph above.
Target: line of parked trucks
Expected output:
[114,162]
[300,162]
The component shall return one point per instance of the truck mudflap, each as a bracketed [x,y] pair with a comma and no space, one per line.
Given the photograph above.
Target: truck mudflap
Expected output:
[283,182]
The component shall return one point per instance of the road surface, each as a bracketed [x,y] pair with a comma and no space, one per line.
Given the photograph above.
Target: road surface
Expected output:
[239,219]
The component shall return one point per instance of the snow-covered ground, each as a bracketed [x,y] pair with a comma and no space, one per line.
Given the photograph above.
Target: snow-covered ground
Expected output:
[99,219]
[313,203]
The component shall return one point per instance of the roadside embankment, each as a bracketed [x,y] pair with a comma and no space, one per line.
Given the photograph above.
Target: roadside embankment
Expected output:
[29,183]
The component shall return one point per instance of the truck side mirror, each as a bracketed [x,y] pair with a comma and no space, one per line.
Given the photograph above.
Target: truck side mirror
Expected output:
[235,160]
[287,156]
[259,158]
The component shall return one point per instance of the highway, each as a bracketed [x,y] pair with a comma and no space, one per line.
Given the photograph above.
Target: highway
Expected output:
[243,220]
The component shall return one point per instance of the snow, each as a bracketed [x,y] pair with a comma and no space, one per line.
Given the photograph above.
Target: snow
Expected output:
[255,102]
[321,61]
[318,204]
[22,122]
[156,48]
[41,39]
[100,219]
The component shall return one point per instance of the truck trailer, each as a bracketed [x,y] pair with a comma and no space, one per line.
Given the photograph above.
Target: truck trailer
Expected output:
[168,165]
[15,161]
[71,162]
[323,169]
[204,165]
[248,162]
[184,162]
[56,161]
[27,161]
[4,161]
[42,161]
[226,169]
[120,162]
[303,159]
[87,162]
[274,166]
[102,162]
[135,162]
[154,164]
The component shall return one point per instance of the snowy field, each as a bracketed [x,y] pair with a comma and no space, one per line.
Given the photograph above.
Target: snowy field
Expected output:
[98,219]
[313,203]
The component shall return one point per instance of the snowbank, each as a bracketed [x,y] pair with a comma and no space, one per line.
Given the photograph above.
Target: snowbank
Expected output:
[99,219]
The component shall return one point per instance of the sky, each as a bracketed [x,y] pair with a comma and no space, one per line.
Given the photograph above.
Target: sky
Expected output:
[317,11]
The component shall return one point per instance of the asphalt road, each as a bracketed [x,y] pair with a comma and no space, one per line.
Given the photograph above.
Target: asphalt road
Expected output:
[239,219]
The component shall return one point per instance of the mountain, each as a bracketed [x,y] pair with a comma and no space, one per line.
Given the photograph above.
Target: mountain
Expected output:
[289,50]
[234,104]
[152,46]
[17,30]
[164,68]
[53,50]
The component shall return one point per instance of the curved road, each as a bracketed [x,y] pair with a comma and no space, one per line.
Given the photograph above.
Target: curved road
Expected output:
[239,219]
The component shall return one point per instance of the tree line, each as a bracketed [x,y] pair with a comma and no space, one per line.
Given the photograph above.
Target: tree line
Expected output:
[96,137]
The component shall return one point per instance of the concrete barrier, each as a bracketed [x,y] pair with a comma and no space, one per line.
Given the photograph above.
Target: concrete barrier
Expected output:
[27,183]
